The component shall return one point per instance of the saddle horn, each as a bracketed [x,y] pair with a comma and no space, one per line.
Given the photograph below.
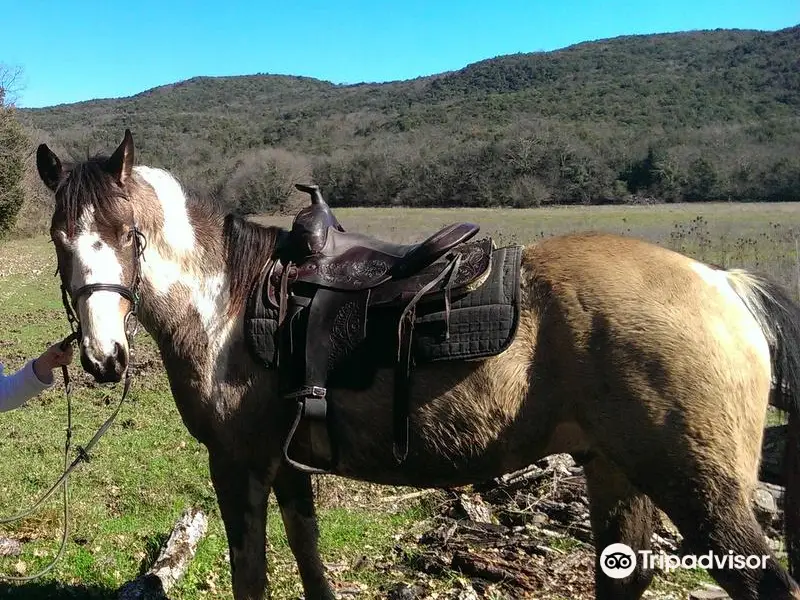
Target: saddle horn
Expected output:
[313,191]
[310,227]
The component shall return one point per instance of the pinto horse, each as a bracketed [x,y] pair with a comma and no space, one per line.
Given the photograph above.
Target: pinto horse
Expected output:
[654,370]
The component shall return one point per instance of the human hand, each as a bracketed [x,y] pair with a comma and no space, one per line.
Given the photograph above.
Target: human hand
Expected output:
[51,358]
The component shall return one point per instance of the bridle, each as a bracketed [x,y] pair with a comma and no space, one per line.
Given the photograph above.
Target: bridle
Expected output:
[131,294]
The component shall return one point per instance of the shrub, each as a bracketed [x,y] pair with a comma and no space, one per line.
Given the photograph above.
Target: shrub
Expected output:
[263,181]
[12,167]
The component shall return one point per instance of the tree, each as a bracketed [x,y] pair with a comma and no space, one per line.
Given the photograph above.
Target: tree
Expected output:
[263,181]
[10,84]
[12,155]
[702,181]
[654,175]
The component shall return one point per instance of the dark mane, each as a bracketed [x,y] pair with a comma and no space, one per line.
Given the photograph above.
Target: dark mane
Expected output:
[89,184]
[248,246]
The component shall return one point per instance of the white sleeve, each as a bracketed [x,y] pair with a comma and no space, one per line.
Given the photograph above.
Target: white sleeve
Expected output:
[20,387]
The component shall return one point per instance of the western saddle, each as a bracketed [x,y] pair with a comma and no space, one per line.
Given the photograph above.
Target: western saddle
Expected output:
[324,282]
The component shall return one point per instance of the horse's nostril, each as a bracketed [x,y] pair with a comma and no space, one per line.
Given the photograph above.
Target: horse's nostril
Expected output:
[120,355]
[110,364]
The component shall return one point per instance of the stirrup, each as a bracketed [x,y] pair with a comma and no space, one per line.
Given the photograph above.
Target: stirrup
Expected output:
[311,403]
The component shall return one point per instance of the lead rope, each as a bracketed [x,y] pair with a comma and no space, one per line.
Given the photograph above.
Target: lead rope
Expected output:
[83,451]
[83,456]
[64,479]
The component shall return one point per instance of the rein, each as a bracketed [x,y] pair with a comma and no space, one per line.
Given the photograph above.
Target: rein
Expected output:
[131,294]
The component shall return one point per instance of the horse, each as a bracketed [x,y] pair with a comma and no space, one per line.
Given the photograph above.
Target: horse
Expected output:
[652,369]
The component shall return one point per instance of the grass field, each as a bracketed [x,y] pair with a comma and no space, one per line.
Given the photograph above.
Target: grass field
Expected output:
[148,469]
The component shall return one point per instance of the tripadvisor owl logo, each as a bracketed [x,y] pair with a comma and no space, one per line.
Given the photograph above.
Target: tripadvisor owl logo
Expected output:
[618,561]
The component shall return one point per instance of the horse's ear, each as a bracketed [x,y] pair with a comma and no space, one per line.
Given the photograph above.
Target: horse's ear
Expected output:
[49,167]
[120,165]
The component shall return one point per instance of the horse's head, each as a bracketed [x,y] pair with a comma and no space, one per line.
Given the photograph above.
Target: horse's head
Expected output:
[97,247]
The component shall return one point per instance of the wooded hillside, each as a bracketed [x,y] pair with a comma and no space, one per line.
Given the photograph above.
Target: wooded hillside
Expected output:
[695,116]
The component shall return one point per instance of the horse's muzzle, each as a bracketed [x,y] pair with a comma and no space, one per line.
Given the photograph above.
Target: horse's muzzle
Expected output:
[106,369]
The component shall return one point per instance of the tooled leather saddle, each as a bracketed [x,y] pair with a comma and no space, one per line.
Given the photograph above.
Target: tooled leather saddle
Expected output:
[328,296]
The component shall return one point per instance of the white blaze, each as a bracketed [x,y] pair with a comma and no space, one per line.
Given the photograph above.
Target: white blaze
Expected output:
[100,312]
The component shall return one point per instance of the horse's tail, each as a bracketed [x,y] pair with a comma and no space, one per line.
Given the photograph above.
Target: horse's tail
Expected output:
[779,318]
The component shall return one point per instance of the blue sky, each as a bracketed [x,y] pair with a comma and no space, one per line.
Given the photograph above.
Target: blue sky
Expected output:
[72,50]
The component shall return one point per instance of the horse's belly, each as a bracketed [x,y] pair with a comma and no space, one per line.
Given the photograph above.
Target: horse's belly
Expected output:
[452,441]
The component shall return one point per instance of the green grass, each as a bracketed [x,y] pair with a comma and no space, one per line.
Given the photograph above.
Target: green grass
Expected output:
[681,579]
[148,469]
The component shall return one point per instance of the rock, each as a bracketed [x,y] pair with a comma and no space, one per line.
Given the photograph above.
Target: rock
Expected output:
[709,593]
[764,501]
[403,591]
[468,593]
[10,547]
[777,492]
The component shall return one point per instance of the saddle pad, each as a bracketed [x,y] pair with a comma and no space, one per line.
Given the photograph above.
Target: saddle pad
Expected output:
[261,325]
[483,323]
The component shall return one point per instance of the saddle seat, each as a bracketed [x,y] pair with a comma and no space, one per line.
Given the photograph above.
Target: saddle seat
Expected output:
[326,255]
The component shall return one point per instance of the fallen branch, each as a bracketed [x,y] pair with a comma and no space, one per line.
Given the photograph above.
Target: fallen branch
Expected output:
[409,496]
[172,562]
[497,569]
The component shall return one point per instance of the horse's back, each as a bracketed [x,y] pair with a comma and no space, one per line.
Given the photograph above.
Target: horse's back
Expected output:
[645,290]
[615,335]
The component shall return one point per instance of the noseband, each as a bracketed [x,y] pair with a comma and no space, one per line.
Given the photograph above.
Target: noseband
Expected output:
[131,294]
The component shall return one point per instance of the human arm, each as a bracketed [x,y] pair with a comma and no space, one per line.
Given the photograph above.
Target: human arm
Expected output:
[32,379]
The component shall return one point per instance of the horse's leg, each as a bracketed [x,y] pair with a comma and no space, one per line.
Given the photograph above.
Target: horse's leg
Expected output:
[619,513]
[296,501]
[242,496]
[714,513]
[709,500]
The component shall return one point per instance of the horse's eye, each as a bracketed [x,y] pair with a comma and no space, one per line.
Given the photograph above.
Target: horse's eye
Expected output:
[127,237]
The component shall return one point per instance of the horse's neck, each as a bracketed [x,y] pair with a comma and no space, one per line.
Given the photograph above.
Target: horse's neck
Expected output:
[185,292]
[184,305]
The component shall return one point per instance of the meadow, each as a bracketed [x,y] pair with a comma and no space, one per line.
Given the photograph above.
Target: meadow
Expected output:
[148,469]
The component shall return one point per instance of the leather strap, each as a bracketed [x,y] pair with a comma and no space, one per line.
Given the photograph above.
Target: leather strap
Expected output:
[91,288]
[402,374]
[337,321]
